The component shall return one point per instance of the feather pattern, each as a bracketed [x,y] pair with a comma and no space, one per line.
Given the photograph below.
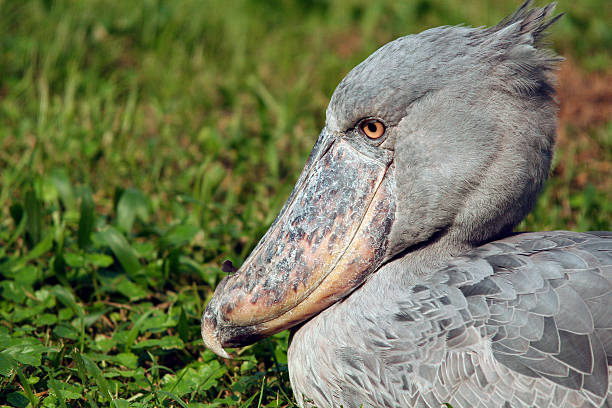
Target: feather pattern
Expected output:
[520,322]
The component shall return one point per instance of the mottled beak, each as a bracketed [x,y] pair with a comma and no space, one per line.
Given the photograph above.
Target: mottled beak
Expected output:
[330,235]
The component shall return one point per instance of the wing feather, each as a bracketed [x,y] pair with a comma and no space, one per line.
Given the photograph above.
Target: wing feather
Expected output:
[546,309]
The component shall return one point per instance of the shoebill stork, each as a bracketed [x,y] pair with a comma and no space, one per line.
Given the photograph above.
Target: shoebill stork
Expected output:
[393,261]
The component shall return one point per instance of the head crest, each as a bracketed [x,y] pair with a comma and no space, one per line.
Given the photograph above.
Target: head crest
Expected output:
[531,21]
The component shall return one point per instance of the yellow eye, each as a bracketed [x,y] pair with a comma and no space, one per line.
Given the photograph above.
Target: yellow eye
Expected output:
[374,129]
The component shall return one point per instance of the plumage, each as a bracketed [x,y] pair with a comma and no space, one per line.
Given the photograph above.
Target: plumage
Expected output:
[393,261]
[414,328]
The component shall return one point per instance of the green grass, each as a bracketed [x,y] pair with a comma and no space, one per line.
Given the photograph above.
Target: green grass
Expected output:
[143,143]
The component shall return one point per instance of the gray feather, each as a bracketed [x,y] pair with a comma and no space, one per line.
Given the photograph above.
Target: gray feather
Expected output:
[518,322]
[555,342]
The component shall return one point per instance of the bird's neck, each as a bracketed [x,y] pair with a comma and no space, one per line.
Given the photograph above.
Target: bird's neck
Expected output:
[416,264]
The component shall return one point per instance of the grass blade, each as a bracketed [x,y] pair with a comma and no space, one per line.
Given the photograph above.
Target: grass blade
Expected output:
[67,298]
[33,213]
[61,181]
[122,250]
[133,333]
[26,386]
[263,381]
[174,398]
[82,372]
[94,371]
[58,393]
[87,218]
[132,204]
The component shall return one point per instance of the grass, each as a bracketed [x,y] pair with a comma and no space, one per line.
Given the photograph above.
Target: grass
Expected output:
[143,143]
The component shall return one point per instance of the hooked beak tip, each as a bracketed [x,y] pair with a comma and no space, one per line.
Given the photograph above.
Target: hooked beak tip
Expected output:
[211,341]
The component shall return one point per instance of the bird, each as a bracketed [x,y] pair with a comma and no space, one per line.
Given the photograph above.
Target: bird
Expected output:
[394,262]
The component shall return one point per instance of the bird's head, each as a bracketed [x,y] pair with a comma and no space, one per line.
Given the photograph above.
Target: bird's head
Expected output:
[444,136]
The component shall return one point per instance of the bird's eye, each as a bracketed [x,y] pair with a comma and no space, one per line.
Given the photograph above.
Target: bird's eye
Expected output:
[372,128]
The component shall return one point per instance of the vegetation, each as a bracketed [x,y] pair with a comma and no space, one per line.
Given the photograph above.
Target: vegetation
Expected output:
[143,143]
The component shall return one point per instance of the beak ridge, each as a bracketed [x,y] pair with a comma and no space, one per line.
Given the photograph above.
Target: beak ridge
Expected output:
[330,235]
